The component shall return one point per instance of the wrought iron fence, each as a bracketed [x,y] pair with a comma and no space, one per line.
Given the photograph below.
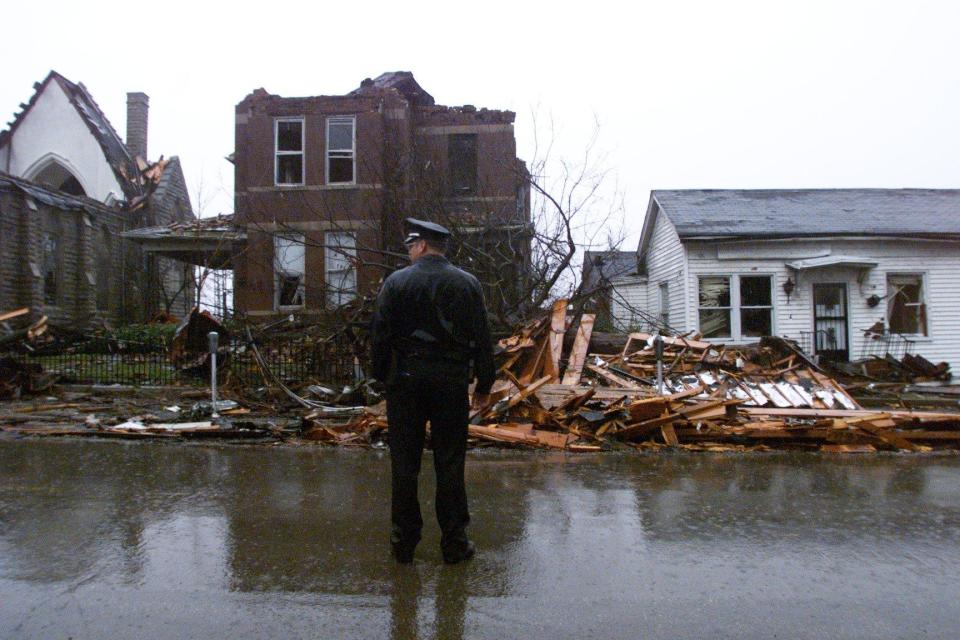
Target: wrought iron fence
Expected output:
[147,362]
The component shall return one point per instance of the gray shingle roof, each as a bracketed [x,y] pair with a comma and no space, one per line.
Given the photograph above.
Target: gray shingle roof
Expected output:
[812,212]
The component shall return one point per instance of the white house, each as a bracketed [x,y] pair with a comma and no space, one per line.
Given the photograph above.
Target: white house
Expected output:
[845,272]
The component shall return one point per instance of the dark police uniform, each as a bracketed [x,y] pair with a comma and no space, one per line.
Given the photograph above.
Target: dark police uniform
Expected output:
[429,330]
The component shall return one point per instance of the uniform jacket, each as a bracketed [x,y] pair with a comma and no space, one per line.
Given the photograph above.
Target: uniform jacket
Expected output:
[432,309]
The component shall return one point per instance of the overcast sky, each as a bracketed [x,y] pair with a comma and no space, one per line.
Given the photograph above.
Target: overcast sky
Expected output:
[688,94]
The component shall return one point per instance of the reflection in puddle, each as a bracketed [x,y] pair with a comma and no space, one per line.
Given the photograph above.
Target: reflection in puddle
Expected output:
[115,539]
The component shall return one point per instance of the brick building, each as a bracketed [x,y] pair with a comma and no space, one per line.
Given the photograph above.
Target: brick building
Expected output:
[69,188]
[323,184]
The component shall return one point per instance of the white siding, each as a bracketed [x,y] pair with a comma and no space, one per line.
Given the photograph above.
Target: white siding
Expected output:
[665,263]
[939,262]
[53,129]
[628,299]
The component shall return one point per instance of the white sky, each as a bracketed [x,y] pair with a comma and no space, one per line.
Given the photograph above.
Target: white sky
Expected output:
[729,94]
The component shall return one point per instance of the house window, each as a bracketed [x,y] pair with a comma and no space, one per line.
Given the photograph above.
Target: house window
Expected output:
[756,306]
[664,314]
[340,250]
[736,307]
[462,158]
[51,258]
[906,309]
[289,263]
[341,149]
[289,151]
[714,306]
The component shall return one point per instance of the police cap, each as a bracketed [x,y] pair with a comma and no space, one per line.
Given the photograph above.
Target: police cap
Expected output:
[423,230]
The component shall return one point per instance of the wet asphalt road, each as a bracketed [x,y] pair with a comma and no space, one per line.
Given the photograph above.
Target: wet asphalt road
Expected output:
[134,540]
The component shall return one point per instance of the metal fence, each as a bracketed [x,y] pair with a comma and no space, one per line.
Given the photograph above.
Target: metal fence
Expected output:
[109,361]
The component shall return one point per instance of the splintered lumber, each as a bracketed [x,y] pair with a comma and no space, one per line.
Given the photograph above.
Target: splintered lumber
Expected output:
[669,435]
[673,341]
[848,448]
[648,408]
[886,434]
[578,355]
[558,326]
[612,377]
[917,416]
[16,313]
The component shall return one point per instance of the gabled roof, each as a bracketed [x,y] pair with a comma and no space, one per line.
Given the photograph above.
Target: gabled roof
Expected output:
[786,213]
[114,150]
[402,81]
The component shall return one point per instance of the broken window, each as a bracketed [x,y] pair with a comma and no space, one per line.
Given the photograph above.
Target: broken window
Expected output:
[664,315]
[289,151]
[736,307]
[756,306]
[906,309]
[341,149]
[340,251]
[51,259]
[289,267]
[462,158]
[714,306]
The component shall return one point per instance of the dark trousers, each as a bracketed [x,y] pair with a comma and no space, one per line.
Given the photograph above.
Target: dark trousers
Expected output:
[434,391]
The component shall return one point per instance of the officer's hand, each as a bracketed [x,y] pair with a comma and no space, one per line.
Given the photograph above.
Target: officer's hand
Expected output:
[480,400]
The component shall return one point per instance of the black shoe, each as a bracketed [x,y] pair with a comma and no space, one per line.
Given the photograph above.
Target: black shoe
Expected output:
[459,553]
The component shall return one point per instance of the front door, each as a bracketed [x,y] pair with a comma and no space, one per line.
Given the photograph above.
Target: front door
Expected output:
[830,321]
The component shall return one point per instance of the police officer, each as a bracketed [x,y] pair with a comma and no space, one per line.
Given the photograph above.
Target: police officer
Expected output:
[430,338]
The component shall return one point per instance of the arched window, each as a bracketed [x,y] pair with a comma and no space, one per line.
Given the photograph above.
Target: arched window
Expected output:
[56,175]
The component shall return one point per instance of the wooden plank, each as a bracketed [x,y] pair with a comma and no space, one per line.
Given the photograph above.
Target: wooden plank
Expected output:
[612,377]
[920,416]
[16,313]
[558,326]
[526,392]
[578,354]
[671,341]
[887,435]
[848,448]
[669,435]
[534,365]
[648,408]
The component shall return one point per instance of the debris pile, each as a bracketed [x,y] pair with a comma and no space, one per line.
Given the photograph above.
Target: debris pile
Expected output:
[712,398]
[17,333]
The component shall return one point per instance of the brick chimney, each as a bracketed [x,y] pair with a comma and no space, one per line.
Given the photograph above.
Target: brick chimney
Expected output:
[138,104]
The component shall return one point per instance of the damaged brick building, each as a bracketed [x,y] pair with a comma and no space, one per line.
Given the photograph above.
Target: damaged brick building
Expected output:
[69,188]
[323,184]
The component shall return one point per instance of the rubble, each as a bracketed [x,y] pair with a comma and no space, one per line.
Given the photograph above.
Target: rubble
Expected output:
[714,398]
[17,332]
[553,392]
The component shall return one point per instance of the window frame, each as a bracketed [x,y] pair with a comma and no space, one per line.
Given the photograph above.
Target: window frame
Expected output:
[352,154]
[736,325]
[740,306]
[924,301]
[297,238]
[53,259]
[329,248]
[663,303]
[277,152]
[473,188]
